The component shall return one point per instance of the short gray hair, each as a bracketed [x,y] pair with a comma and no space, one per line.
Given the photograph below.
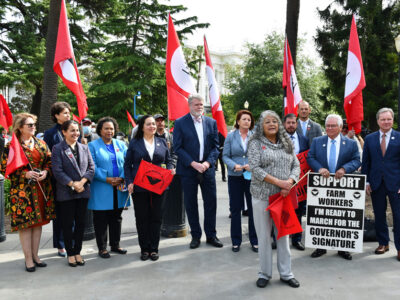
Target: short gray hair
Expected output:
[383,110]
[195,96]
[337,117]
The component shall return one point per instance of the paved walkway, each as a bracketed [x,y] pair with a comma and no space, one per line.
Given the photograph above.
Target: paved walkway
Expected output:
[204,273]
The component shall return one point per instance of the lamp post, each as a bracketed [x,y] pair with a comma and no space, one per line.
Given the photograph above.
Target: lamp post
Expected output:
[397,43]
[138,96]
[246,104]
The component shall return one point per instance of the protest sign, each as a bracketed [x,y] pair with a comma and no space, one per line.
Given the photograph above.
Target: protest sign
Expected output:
[301,188]
[335,212]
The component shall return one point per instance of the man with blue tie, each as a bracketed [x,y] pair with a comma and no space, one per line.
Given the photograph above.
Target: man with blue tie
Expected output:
[381,164]
[300,143]
[305,126]
[333,154]
[196,144]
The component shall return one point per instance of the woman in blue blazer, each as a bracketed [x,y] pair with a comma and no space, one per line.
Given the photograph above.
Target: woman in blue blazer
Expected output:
[73,170]
[109,195]
[146,146]
[235,157]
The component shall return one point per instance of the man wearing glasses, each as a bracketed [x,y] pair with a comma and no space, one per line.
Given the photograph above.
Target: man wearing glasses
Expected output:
[336,154]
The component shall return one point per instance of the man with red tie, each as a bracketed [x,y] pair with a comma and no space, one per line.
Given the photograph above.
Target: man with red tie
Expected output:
[381,164]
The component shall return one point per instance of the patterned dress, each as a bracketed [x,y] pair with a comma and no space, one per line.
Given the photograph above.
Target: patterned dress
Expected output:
[29,208]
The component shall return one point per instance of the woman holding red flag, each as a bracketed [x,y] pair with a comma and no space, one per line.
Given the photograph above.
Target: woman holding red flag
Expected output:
[146,146]
[31,195]
[275,168]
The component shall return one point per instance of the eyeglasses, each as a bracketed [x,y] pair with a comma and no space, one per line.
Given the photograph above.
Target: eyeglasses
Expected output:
[331,126]
[31,125]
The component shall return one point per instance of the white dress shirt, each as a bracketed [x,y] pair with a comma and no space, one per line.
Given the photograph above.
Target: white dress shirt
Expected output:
[199,129]
[337,145]
[295,141]
[149,148]
[244,141]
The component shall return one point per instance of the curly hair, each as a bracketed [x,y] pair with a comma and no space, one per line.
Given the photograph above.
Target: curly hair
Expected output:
[282,136]
[103,120]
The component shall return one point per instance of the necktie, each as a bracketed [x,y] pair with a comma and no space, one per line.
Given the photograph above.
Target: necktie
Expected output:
[304,128]
[292,137]
[332,157]
[383,144]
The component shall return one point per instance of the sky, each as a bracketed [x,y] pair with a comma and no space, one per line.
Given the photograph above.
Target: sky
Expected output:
[235,22]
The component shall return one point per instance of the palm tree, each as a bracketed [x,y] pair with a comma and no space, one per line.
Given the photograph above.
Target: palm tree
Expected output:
[50,85]
[292,21]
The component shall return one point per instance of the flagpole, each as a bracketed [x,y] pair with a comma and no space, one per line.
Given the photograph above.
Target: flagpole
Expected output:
[299,180]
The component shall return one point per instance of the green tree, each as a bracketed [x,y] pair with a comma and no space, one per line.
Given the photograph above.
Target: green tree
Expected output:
[133,59]
[259,79]
[377,25]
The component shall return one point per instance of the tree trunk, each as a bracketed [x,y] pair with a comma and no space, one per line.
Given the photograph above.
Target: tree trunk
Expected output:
[36,101]
[49,95]
[292,21]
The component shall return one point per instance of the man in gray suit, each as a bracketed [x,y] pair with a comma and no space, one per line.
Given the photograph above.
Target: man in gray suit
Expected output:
[305,126]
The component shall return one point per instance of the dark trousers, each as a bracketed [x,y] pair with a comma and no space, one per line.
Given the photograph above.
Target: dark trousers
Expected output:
[72,219]
[208,188]
[299,213]
[379,204]
[111,219]
[58,238]
[221,162]
[148,219]
[238,188]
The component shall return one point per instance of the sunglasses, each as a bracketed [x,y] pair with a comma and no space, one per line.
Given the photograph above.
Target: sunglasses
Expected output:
[30,125]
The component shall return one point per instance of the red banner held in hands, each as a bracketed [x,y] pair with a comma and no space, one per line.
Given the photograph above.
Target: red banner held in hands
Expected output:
[152,177]
[283,214]
[16,156]
[301,187]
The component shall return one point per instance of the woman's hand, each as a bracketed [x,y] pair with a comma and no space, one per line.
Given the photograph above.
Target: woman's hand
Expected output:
[173,171]
[42,175]
[78,186]
[246,167]
[284,192]
[238,168]
[32,175]
[285,184]
[114,181]
[130,188]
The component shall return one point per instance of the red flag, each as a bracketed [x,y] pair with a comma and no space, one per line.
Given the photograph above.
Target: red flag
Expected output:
[301,186]
[76,118]
[130,119]
[215,101]
[290,85]
[16,156]
[65,63]
[355,82]
[283,214]
[152,177]
[179,82]
[6,118]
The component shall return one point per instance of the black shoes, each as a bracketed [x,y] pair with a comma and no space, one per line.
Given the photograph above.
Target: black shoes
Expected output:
[318,253]
[144,256]
[245,213]
[223,179]
[215,242]
[292,282]
[254,248]
[154,256]
[104,254]
[262,282]
[40,265]
[31,269]
[273,245]
[345,255]
[119,250]
[236,248]
[195,243]
[298,246]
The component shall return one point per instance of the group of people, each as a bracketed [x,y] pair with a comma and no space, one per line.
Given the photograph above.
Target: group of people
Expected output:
[260,158]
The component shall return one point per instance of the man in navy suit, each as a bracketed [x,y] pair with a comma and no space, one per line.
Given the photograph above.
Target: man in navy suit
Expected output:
[381,164]
[196,144]
[300,143]
[333,153]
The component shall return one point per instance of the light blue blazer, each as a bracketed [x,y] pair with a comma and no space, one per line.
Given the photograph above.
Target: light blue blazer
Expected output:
[234,153]
[101,197]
